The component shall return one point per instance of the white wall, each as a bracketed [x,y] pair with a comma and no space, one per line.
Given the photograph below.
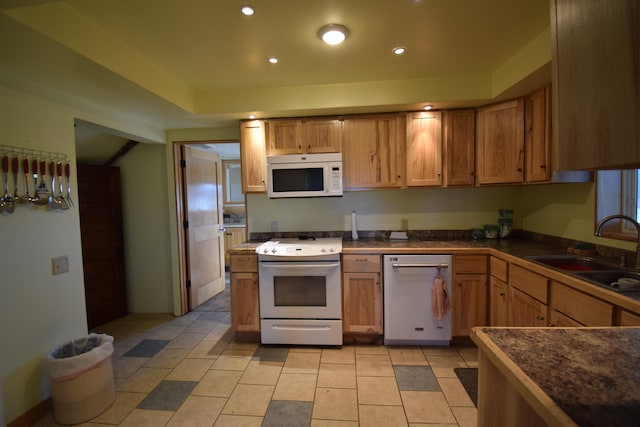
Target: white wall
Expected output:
[38,311]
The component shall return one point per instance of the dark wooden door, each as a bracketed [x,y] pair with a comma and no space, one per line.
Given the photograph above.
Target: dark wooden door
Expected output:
[100,205]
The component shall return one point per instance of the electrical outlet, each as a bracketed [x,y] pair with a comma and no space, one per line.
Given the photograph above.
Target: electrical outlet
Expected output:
[404,224]
[274,226]
[60,265]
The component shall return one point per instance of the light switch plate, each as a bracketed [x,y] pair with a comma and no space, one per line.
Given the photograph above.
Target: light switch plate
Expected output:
[60,265]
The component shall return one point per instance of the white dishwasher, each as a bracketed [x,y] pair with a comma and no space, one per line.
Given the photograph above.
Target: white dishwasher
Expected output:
[408,286]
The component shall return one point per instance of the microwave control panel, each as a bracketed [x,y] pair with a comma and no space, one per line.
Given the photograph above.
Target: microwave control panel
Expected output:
[336,178]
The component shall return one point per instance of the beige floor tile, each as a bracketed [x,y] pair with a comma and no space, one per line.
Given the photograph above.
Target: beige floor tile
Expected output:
[144,380]
[466,416]
[190,370]
[217,383]
[373,365]
[122,406]
[238,421]
[453,361]
[146,418]
[470,355]
[382,416]
[344,355]
[249,400]
[201,351]
[242,346]
[265,373]
[124,367]
[233,360]
[444,372]
[197,411]
[440,351]
[305,349]
[167,358]
[335,404]
[300,387]
[333,375]
[426,407]
[371,349]
[378,391]
[202,326]
[302,363]
[333,423]
[454,392]
[186,340]
[166,333]
[407,356]
[217,333]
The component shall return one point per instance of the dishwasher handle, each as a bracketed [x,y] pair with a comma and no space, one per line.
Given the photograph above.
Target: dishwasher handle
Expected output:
[420,265]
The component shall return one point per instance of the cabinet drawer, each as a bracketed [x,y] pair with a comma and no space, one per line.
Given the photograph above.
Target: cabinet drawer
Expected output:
[530,283]
[499,268]
[464,264]
[584,308]
[361,263]
[240,263]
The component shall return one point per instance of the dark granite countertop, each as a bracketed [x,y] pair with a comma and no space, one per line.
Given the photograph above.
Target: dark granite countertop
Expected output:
[590,373]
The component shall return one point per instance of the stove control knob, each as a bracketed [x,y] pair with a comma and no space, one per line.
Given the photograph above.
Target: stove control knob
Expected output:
[274,250]
[332,250]
[265,250]
[323,250]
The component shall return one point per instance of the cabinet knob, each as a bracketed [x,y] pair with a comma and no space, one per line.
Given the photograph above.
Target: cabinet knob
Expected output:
[501,294]
[519,169]
[543,166]
[539,317]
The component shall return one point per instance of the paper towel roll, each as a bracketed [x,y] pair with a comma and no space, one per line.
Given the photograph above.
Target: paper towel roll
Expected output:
[354,226]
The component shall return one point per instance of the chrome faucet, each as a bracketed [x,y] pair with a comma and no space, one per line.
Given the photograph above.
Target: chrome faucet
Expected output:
[631,220]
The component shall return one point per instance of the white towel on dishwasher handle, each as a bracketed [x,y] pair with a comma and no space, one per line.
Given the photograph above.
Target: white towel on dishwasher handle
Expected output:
[440,303]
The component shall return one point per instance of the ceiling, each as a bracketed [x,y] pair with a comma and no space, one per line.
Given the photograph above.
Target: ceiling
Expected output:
[201,63]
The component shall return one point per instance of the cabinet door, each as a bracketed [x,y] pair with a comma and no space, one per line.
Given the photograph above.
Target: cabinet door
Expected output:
[362,303]
[538,136]
[559,320]
[245,302]
[424,149]
[285,136]
[500,143]
[597,90]
[459,147]
[372,147]
[232,236]
[469,303]
[629,319]
[322,135]
[498,305]
[253,156]
[525,310]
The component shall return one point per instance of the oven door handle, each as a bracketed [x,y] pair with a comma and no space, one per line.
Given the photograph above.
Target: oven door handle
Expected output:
[298,265]
[421,265]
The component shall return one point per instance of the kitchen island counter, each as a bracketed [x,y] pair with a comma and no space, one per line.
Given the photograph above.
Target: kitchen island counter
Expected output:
[558,376]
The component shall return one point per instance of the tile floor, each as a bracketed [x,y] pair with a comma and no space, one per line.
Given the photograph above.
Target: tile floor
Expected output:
[189,371]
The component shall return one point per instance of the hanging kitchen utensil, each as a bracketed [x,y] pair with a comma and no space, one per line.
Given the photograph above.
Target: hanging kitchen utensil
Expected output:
[9,206]
[52,200]
[15,168]
[67,174]
[25,168]
[42,193]
[63,202]
[3,199]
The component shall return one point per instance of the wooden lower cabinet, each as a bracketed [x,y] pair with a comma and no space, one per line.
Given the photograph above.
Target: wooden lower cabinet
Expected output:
[245,297]
[362,294]
[560,320]
[629,319]
[498,302]
[582,308]
[526,310]
[469,293]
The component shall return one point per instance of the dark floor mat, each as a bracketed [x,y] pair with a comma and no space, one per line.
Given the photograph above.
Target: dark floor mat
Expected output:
[469,379]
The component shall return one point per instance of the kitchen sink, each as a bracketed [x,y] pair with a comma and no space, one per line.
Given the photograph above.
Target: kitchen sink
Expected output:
[572,263]
[613,279]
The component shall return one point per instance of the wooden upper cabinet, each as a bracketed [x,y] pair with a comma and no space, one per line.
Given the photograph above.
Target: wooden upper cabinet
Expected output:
[500,143]
[302,136]
[424,149]
[596,84]
[253,156]
[459,147]
[538,135]
[372,148]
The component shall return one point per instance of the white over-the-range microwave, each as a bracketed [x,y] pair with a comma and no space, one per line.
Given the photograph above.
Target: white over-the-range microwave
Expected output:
[304,175]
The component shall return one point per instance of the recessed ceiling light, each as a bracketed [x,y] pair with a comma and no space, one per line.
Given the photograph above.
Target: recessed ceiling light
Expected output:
[272,60]
[399,50]
[428,107]
[333,33]
[252,116]
[247,10]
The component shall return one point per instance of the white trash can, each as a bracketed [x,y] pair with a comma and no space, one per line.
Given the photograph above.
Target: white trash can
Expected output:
[81,378]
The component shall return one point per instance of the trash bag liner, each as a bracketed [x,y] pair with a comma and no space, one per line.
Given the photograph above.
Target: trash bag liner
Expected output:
[78,356]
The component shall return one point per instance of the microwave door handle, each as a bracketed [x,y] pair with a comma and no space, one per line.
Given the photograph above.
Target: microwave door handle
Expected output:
[297,265]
